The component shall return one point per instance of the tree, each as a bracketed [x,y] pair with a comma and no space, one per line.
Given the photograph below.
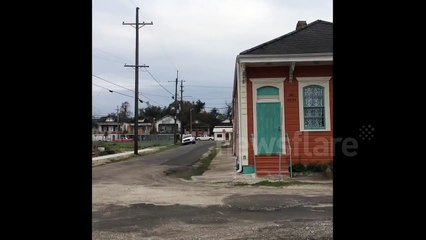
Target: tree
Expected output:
[214,112]
[152,112]
[227,113]
[198,106]
[95,122]
[124,114]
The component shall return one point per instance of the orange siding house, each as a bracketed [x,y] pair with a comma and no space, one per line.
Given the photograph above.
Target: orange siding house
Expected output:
[283,101]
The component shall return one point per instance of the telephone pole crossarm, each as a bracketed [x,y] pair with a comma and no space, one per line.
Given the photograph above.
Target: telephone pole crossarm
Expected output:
[140,24]
[127,65]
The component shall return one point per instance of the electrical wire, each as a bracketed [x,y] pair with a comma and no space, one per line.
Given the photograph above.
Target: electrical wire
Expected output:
[112,83]
[158,82]
[111,91]
[205,86]
[126,89]
[134,3]
[146,70]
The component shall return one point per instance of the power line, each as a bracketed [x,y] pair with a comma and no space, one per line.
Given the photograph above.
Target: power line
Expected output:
[111,91]
[150,94]
[218,98]
[152,76]
[112,55]
[158,81]
[127,89]
[217,107]
[205,86]
[133,3]
[113,83]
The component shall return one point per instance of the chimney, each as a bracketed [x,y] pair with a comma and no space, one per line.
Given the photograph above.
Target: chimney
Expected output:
[301,24]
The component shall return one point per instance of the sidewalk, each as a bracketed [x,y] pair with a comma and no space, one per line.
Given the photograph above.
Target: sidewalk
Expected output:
[222,170]
[123,155]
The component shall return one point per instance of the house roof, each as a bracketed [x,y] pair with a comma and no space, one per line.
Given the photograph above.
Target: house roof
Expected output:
[224,125]
[108,124]
[164,117]
[316,37]
[222,129]
[145,120]
[104,119]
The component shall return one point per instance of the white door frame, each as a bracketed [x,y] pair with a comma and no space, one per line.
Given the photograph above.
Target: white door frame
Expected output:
[264,82]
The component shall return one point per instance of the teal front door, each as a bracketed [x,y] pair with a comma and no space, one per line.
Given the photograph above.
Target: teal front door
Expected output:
[268,121]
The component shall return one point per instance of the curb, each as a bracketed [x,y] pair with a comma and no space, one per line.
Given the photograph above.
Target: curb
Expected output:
[118,156]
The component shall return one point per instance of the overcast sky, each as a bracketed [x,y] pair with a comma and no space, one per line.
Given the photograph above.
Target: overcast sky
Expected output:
[200,38]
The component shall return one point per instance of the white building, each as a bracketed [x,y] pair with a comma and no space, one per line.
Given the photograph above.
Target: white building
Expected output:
[166,124]
[223,132]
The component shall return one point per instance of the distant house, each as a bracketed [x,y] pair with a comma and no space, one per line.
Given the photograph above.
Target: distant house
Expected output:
[223,131]
[198,128]
[107,129]
[108,124]
[166,125]
[144,127]
[283,93]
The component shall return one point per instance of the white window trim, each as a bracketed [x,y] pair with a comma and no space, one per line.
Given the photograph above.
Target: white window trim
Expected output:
[320,81]
[263,82]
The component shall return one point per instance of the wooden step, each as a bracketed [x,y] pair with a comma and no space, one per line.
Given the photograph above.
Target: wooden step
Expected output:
[268,165]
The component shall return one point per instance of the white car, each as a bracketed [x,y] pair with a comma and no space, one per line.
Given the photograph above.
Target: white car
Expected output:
[186,139]
[204,138]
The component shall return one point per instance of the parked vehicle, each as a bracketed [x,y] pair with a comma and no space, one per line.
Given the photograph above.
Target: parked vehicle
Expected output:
[186,139]
[204,138]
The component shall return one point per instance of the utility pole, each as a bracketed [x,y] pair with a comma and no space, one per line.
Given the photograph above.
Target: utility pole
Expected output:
[181,107]
[176,108]
[136,66]
[118,120]
[190,121]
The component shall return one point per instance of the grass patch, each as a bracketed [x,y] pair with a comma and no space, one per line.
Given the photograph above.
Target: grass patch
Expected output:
[161,149]
[279,183]
[114,147]
[274,183]
[200,167]
[119,147]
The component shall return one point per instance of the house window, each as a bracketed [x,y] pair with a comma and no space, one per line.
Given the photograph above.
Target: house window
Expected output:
[314,103]
[267,91]
[219,135]
[313,107]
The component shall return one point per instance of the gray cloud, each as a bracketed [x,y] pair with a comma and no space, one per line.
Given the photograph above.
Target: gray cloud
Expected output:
[200,38]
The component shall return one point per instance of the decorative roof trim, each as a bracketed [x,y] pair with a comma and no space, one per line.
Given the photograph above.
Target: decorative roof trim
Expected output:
[306,57]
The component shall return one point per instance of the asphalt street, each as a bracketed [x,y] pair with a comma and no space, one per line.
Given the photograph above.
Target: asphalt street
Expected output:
[135,199]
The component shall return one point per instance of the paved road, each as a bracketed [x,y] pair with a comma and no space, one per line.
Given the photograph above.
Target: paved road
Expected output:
[184,155]
[136,200]
[260,216]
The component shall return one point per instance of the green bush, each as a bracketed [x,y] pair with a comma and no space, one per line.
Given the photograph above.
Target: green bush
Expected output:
[312,167]
[298,168]
[330,165]
[110,151]
[316,167]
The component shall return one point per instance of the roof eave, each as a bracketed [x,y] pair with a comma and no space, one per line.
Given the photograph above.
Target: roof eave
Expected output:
[303,57]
